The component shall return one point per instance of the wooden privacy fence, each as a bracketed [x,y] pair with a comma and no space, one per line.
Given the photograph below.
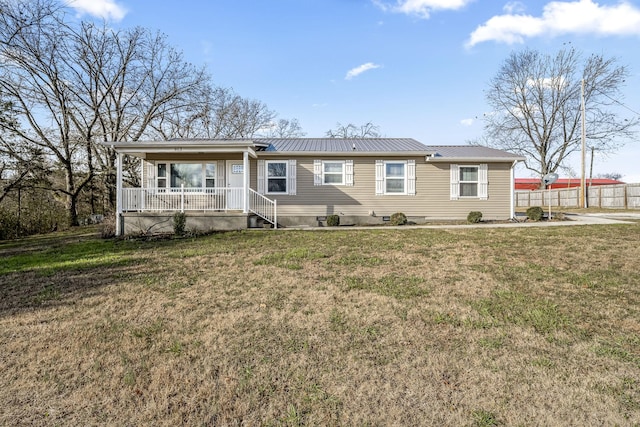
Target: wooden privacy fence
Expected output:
[620,196]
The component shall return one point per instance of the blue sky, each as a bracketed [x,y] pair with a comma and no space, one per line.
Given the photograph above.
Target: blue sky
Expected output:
[415,68]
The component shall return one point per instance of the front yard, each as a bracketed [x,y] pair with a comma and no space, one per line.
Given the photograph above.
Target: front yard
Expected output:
[530,326]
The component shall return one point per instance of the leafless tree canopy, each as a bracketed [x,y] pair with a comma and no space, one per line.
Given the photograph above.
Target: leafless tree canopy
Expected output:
[71,85]
[285,128]
[367,130]
[536,106]
[610,175]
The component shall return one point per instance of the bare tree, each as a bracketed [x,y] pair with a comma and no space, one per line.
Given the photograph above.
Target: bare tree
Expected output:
[34,80]
[536,103]
[219,113]
[617,176]
[72,86]
[129,80]
[367,130]
[285,128]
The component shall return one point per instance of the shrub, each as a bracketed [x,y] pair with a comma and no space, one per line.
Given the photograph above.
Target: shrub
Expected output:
[474,217]
[535,213]
[179,223]
[398,218]
[333,220]
[108,227]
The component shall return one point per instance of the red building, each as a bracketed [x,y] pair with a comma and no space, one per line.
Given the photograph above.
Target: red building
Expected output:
[534,183]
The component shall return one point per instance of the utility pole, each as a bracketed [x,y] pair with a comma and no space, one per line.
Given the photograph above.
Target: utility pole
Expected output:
[583,183]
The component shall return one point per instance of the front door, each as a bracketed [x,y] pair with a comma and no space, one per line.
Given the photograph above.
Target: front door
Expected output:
[235,184]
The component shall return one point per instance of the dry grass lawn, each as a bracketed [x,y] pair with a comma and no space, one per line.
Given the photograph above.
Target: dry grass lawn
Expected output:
[531,326]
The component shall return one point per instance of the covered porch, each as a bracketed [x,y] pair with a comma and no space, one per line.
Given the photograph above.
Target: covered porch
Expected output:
[204,178]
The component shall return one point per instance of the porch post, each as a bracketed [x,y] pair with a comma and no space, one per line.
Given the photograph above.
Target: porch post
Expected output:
[119,230]
[245,182]
[512,199]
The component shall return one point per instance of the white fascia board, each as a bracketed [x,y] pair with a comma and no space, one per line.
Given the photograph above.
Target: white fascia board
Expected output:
[344,154]
[141,149]
[473,159]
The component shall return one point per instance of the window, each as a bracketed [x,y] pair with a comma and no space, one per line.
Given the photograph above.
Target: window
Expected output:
[162,175]
[332,173]
[277,177]
[191,175]
[395,177]
[187,174]
[468,181]
[210,175]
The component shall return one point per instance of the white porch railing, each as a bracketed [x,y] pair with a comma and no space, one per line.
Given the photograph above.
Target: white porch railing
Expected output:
[182,199]
[198,199]
[265,208]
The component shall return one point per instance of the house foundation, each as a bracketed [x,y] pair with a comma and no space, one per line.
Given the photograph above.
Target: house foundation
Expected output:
[162,222]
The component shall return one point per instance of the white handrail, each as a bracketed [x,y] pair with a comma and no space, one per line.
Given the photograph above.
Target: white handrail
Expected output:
[182,199]
[200,199]
[264,207]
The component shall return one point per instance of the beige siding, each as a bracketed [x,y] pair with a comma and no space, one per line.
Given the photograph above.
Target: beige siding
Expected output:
[431,201]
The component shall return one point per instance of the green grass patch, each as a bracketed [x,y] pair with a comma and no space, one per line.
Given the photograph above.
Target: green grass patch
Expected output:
[84,255]
[506,306]
[395,286]
[292,259]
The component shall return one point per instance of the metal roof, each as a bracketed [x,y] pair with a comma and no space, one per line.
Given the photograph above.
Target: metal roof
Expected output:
[470,151]
[343,145]
[320,146]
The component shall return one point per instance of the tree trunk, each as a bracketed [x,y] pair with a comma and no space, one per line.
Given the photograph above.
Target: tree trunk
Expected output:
[72,198]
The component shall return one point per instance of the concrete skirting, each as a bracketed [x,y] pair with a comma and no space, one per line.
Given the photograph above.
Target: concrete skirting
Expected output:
[320,221]
[162,222]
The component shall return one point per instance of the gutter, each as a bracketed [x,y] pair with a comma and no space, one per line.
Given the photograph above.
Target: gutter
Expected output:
[341,153]
[473,159]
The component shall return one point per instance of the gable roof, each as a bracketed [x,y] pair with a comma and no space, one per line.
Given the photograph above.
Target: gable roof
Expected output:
[389,146]
[342,145]
[321,147]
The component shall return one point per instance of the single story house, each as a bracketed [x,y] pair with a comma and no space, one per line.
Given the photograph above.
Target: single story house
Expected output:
[235,184]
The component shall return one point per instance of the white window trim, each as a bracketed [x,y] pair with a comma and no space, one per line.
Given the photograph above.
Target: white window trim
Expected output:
[166,176]
[409,177]
[477,181]
[482,182]
[203,169]
[319,173]
[342,173]
[405,178]
[287,177]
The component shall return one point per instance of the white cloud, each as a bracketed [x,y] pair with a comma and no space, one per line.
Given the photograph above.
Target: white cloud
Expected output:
[573,17]
[105,9]
[467,122]
[514,7]
[421,8]
[354,72]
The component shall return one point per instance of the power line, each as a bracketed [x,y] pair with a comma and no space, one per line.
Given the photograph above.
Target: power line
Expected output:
[617,102]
